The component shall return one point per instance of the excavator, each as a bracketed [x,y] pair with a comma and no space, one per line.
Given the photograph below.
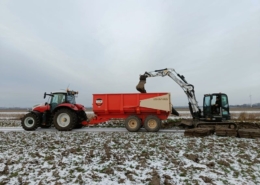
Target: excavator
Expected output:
[215,110]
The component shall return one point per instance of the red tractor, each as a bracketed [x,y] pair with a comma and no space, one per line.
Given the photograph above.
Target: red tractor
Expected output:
[61,111]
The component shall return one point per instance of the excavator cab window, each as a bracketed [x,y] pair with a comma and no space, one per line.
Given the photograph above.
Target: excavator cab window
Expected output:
[207,105]
[216,105]
[211,105]
[225,106]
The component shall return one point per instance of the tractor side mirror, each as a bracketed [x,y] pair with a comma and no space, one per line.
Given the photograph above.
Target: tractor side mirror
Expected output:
[44,96]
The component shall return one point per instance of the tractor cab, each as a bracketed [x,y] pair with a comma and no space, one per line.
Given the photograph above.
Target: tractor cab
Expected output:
[216,107]
[58,98]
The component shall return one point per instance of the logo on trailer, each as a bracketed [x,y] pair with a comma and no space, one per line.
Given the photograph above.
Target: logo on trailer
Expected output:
[99,102]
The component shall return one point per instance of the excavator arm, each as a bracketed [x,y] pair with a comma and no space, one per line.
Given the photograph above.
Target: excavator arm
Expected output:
[180,80]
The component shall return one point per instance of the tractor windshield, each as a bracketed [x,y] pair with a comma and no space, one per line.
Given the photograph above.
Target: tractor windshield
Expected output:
[71,99]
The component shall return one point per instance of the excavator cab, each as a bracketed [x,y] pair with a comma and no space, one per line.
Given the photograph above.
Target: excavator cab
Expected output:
[216,107]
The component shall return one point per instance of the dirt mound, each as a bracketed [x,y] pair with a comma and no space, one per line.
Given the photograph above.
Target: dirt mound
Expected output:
[248,125]
[222,131]
[199,132]
[249,133]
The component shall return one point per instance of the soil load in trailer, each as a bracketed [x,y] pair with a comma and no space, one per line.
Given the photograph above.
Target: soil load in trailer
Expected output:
[147,109]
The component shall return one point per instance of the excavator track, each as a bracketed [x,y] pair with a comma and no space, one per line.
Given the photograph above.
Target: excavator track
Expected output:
[225,129]
[230,125]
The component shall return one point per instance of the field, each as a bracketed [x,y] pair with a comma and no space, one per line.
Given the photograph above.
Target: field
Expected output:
[126,158]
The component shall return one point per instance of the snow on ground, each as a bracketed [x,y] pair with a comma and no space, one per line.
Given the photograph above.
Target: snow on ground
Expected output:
[126,158]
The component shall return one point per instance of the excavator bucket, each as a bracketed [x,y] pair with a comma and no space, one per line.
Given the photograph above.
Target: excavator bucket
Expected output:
[140,85]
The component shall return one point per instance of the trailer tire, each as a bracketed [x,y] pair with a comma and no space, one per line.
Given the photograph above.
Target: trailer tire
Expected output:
[30,122]
[65,120]
[132,123]
[152,123]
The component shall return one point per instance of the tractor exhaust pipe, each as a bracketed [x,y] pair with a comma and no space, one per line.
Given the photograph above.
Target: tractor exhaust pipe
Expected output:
[140,85]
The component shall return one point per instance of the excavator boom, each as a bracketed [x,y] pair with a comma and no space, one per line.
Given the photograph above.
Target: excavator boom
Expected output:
[180,80]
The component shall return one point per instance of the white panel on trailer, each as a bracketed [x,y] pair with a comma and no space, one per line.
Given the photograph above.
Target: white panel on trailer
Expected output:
[160,102]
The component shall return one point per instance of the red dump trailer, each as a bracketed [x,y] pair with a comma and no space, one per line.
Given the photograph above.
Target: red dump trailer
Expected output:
[137,109]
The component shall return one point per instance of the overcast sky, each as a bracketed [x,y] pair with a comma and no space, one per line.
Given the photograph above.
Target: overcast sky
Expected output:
[103,46]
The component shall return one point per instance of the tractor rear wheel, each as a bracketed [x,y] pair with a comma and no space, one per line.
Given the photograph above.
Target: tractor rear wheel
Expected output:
[30,122]
[152,123]
[65,120]
[82,116]
[132,123]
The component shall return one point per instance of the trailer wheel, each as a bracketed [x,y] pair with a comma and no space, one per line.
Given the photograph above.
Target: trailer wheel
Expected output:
[30,122]
[132,123]
[152,123]
[65,120]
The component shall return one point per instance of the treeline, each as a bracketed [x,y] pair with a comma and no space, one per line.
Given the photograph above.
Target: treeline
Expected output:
[256,105]
[14,108]
[247,105]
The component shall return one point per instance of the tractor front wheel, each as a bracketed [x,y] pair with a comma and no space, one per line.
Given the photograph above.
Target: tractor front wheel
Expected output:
[30,122]
[65,120]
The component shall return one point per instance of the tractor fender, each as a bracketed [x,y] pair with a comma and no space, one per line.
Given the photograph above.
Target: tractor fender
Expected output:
[66,105]
[80,107]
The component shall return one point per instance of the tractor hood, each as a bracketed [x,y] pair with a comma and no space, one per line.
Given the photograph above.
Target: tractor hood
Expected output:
[41,107]
[37,105]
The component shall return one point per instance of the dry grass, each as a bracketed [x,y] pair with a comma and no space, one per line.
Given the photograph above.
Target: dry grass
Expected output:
[245,116]
[13,116]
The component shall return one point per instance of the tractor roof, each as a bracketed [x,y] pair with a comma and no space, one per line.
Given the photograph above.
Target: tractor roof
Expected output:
[59,92]
[65,92]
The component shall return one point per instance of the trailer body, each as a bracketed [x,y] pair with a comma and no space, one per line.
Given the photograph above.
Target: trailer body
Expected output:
[124,105]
